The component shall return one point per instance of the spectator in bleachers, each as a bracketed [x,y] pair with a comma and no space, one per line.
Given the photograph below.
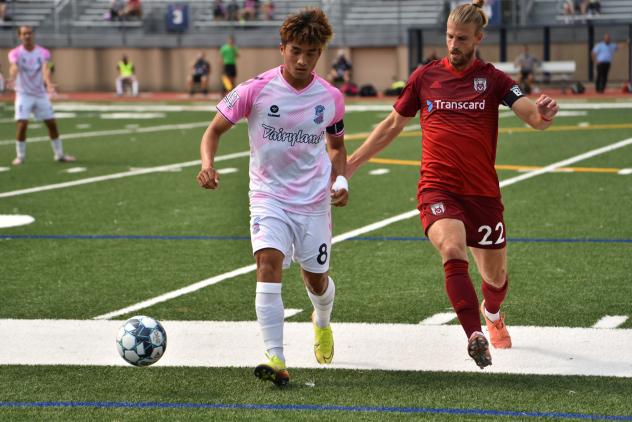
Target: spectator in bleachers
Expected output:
[248,11]
[594,7]
[602,54]
[527,63]
[127,76]
[201,69]
[232,11]
[3,10]
[133,9]
[219,10]
[340,69]
[117,8]
[268,10]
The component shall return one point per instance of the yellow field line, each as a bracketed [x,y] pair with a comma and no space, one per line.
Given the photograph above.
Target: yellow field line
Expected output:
[565,128]
[504,166]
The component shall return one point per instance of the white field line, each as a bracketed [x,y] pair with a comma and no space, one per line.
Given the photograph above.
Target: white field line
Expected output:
[610,321]
[109,132]
[536,350]
[241,271]
[439,319]
[137,172]
[353,233]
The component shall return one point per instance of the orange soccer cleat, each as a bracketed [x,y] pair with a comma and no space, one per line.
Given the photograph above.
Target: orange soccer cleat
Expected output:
[498,333]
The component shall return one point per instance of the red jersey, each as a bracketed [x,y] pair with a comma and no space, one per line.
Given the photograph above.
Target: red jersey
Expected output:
[459,122]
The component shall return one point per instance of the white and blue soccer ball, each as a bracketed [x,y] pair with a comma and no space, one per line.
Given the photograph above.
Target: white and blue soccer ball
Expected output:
[141,341]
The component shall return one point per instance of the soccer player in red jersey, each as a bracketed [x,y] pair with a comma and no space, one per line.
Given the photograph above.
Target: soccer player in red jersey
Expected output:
[459,194]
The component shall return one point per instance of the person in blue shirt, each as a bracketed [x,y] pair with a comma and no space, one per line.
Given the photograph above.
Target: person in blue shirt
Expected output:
[602,54]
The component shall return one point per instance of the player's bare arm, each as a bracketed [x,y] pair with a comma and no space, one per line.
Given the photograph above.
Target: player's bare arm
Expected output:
[13,74]
[539,114]
[208,177]
[48,81]
[338,156]
[380,137]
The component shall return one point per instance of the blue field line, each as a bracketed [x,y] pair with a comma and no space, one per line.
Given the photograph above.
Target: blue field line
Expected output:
[363,238]
[314,407]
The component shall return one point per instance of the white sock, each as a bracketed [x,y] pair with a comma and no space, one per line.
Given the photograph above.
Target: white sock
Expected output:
[323,304]
[492,317]
[57,148]
[269,307]
[20,149]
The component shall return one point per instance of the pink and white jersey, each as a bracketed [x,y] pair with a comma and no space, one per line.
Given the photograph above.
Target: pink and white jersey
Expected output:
[30,63]
[289,163]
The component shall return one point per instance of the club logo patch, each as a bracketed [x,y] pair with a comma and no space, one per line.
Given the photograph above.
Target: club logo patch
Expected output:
[480,85]
[320,114]
[437,209]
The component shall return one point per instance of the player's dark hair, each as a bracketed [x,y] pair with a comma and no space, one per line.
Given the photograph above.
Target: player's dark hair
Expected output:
[470,13]
[308,26]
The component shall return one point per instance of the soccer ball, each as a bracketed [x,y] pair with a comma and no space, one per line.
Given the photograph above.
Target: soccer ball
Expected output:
[141,341]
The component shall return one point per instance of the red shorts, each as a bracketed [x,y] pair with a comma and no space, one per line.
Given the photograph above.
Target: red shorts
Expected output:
[481,215]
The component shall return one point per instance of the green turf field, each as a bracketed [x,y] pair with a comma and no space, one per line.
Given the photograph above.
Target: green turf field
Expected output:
[97,246]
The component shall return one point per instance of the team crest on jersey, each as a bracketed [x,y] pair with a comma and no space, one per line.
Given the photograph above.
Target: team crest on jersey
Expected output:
[480,85]
[438,208]
[231,99]
[320,114]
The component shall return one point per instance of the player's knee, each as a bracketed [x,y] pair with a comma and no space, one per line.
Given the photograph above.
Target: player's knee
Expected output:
[450,250]
[497,278]
[316,283]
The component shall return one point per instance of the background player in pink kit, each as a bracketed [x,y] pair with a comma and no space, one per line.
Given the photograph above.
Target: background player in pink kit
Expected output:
[459,194]
[30,77]
[291,112]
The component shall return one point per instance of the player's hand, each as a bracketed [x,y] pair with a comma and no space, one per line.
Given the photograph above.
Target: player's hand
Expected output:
[10,83]
[547,107]
[208,178]
[52,89]
[340,192]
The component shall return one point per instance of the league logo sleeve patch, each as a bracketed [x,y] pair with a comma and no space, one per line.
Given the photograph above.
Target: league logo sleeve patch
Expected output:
[437,209]
[231,99]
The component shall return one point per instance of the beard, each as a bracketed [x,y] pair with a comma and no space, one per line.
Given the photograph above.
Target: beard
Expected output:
[460,60]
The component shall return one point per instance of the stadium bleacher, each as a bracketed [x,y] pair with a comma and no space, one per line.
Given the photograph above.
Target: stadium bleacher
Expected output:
[29,12]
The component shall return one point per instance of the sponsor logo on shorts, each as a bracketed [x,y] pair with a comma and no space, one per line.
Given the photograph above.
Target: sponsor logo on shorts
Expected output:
[437,209]
[480,85]
[320,114]
[231,99]
[255,225]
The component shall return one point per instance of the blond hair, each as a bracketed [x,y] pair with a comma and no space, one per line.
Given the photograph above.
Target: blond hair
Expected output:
[470,13]
[308,26]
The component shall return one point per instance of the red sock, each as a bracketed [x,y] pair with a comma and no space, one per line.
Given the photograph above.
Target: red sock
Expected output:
[462,295]
[494,296]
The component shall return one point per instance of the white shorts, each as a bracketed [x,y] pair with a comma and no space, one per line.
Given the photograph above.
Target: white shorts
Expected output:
[39,106]
[305,239]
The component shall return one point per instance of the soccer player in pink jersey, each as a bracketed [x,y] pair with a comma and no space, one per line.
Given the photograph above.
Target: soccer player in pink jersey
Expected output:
[458,193]
[30,77]
[297,166]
